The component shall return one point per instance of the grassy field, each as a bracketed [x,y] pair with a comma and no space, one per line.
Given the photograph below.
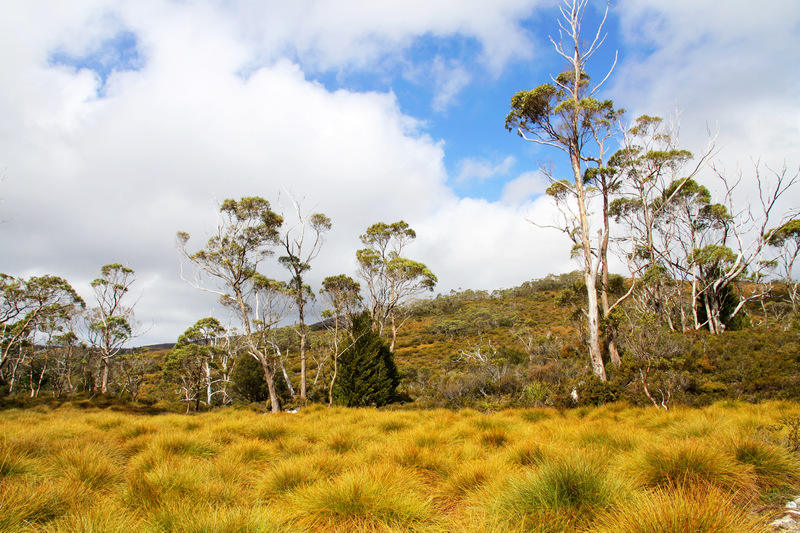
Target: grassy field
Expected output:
[612,468]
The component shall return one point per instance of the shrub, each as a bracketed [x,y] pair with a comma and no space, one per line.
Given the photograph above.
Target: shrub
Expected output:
[367,373]
[248,383]
[596,392]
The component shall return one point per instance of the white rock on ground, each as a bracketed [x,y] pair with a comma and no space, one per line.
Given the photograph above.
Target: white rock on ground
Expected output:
[790,521]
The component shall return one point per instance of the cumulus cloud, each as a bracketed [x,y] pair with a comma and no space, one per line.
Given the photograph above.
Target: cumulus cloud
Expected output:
[522,188]
[106,164]
[721,64]
[336,34]
[449,79]
[106,158]
[484,245]
[483,169]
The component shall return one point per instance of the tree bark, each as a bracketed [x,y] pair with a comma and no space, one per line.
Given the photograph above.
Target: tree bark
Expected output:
[589,273]
[273,394]
[207,372]
[104,379]
[394,332]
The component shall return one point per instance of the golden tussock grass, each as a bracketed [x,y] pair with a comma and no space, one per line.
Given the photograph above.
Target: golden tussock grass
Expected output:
[612,468]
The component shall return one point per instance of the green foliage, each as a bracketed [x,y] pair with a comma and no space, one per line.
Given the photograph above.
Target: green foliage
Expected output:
[596,392]
[790,231]
[342,293]
[248,383]
[247,380]
[367,372]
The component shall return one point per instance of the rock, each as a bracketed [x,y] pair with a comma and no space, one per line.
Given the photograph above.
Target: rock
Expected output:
[784,524]
[791,505]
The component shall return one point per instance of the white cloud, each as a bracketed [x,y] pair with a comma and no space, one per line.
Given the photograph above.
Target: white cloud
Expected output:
[727,66]
[355,33]
[477,244]
[449,79]
[522,188]
[482,169]
[96,180]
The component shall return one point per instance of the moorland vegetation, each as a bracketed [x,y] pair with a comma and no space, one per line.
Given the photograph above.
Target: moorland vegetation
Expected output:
[616,468]
[662,400]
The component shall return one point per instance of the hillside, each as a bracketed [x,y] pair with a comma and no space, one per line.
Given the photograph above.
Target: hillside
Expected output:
[523,346]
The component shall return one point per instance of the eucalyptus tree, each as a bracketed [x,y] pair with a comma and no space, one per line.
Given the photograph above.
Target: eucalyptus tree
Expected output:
[40,305]
[66,347]
[722,243]
[247,231]
[786,239]
[648,164]
[300,249]
[390,278]
[566,115]
[343,294]
[203,342]
[133,368]
[109,325]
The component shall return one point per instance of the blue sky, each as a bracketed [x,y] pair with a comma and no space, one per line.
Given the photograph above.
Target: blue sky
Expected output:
[469,122]
[126,121]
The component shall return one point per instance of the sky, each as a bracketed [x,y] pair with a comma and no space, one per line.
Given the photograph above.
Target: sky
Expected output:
[124,122]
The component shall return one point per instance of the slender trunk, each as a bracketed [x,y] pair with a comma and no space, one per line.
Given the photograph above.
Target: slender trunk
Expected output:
[41,377]
[695,305]
[394,332]
[286,378]
[670,325]
[589,274]
[207,372]
[104,381]
[643,376]
[269,375]
[335,358]
[302,349]
[611,346]
[273,394]
[710,322]
[226,379]
[14,371]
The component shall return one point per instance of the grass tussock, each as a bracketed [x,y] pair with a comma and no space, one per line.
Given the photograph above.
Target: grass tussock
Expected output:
[774,467]
[91,465]
[32,506]
[614,468]
[683,464]
[387,498]
[696,509]
[561,493]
